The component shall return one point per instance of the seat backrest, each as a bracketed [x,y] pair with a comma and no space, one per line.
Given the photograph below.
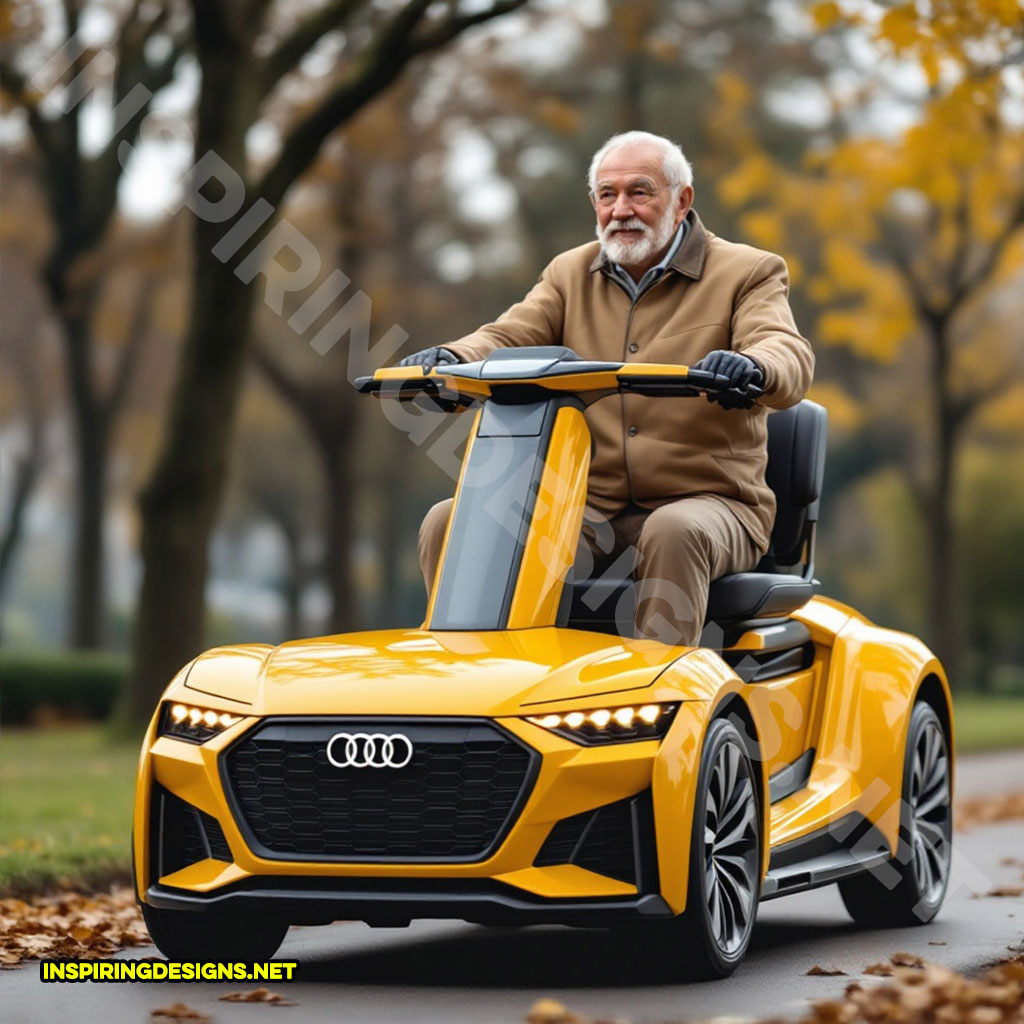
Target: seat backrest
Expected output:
[796,468]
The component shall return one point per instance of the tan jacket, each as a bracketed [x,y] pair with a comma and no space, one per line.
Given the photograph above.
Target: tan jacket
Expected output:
[715,294]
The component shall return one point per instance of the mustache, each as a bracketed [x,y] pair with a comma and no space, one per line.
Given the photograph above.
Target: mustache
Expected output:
[630,224]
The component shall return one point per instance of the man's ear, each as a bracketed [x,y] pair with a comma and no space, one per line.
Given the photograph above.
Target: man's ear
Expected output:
[684,203]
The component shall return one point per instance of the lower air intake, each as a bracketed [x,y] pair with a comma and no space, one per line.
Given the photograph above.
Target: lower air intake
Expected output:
[616,840]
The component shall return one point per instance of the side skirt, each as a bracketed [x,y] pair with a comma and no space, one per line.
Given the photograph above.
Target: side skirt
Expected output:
[792,778]
[847,846]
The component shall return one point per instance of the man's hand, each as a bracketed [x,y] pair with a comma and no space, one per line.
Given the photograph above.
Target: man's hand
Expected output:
[428,358]
[741,371]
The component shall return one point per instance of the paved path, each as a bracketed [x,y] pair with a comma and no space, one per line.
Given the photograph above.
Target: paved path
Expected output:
[461,974]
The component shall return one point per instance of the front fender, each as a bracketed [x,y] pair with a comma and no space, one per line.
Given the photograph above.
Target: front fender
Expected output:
[711,686]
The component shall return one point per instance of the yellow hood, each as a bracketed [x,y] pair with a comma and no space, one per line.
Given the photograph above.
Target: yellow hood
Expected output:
[416,672]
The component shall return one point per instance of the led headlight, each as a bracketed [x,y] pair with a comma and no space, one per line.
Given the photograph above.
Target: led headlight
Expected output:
[188,722]
[610,725]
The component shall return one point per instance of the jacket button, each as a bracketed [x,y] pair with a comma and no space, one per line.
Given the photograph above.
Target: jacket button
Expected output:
[634,347]
[633,431]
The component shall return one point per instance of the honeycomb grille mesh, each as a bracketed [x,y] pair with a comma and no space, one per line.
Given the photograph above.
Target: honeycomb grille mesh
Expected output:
[453,801]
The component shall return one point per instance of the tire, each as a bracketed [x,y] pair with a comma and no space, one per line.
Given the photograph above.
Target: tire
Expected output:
[215,934]
[913,896]
[725,857]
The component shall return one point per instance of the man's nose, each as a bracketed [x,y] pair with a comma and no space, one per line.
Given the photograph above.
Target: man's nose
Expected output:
[622,207]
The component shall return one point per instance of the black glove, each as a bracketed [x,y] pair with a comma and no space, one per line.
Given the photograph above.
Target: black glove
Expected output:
[741,371]
[428,358]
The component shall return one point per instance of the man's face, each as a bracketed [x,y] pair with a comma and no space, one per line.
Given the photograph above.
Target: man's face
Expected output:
[637,214]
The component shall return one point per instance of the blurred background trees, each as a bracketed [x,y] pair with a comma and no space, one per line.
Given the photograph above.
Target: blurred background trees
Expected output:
[435,155]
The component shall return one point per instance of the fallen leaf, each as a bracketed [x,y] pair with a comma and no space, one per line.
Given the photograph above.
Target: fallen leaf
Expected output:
[936,942]
[179,1011]
[906,960]
[881,970]
[1006,891]
[548,1011]
[824,972]
[258,995]
[70,924]
[917,992]
[986,810]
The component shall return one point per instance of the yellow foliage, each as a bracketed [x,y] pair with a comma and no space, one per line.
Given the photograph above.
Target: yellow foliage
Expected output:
[732,90]
[844,413]
[883,318]
[826,15]
[752,179]
[765,228]
[936,195]
[558,115]
[1005,414]
[899,26]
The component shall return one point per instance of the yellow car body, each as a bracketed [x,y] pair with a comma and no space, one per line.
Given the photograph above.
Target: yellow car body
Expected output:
[852,706]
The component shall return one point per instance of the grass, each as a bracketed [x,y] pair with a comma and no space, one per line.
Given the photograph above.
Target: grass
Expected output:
[65,808]
[988,723]
[66,795]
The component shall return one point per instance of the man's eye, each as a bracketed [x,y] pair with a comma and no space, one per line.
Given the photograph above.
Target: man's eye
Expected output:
[642,194]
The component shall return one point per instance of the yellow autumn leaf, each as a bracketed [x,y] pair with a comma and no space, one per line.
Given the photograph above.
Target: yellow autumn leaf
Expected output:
[844,413]
[825,15]
[900,27]
[765,228]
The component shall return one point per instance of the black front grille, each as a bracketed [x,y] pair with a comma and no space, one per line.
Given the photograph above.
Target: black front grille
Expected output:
[616,840]
[454,800]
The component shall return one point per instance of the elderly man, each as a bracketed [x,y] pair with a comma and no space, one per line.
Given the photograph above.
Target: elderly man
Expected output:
[679,484]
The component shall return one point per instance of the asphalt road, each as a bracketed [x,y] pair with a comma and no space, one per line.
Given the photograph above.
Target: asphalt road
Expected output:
[461,974]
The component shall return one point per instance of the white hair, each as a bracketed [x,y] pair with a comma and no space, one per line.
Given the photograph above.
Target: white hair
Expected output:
[674,164]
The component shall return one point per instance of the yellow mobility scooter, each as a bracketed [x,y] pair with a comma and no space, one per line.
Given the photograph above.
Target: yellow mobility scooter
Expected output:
[516,760]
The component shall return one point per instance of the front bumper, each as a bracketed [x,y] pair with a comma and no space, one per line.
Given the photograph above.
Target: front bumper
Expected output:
[513,883]
[305,900]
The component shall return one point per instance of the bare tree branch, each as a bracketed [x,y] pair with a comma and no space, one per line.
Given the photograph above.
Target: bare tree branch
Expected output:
[969,283]
[13,83]
[302,39]
[378,68]
[965,406]
[453,26]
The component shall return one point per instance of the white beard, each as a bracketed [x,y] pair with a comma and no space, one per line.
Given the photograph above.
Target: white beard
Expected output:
[632,254]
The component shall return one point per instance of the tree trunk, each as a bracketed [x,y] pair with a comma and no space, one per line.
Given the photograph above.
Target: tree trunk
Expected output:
[943,592]
[335,451]
[91,424]
[88,599]
[26,471]
[295,578]
[631,94]
[179,505]
[391,534]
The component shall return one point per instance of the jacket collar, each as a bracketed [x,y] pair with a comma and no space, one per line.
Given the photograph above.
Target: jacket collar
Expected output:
[689,258]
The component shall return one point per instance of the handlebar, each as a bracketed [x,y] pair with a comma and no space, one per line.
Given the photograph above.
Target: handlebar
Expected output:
[462,384]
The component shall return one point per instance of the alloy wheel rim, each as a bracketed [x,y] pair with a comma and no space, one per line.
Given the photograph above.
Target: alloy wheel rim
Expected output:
[730,848]
[930,813]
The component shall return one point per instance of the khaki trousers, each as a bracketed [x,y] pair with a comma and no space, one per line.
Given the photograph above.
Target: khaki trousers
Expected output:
[674,552]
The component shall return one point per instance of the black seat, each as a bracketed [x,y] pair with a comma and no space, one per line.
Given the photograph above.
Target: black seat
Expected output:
[784,578]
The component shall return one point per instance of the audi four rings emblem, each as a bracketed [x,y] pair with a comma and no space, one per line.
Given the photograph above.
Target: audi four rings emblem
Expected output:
[369,750]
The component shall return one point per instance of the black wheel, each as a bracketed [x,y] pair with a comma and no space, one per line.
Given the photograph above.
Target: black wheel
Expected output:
[215,934]
[915,892]
[725,857]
